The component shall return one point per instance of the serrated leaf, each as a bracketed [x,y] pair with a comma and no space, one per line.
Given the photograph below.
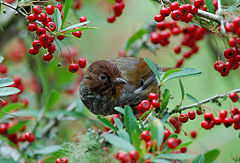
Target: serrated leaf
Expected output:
[47,150]
[199,159]
[153,67]
[118,123]
[182,89]
[17,127]
[169,72]
[157,131]
[6,82]
[130,122]
[123,134]
[176,156]
[9,107]
[80,25]
[119,109]
[210,7]
[136,36]
[192,98]
[107,123]
[57,19]
[52,99]
[6,91]
[165,98]
[119,142]
[67,6]
[184,73]
[211,155]
[1,57]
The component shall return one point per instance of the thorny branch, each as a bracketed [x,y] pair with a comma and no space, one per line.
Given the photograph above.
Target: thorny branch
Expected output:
[210,99]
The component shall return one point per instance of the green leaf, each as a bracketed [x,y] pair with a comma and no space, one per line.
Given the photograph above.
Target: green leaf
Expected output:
[157,131]
[57,19]
[176,156]
[136,36]
[47,150]
[130,121]
[16,127]
[169,72]
[211,155]
[67,6]
[119,142]
[123,134]
[8,91]
[165,117]
[71,28]
[165,100]
[135,138]
[6,140]
[192,98]
[6,82]
[155,160]
[119,109]
[7,160]
[118,123]
[1,57]
[107,123]
[52,99]
[199,159]
[210,7]
[9,107]
[184,73]
[153,67]
[182,89]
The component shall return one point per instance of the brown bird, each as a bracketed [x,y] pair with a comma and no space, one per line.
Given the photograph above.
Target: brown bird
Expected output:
[117,82]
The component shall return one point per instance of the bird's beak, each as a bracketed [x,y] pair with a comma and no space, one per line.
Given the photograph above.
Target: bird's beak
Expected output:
[119,81]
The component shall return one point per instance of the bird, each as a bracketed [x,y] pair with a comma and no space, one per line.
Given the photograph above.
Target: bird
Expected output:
[117,82]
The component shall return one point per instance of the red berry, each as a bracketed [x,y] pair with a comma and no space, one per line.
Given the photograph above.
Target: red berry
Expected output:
[176,15]
[194,10]
[29,137]
[32,27]
[47,57]
[25,102]
[188,18]
[3,69]
[208,116]
[60,37]
[32,17]
[217,120]
[167,133]
[223,114]
[233,96]
[236,118]
[233,42]
[234,111]
[176,30]
[184,10]
[3,128]
[198,3]
[236,23]
[51,26]
[177,49]
[62,160]
[155,103]
[159,18]
[111,19]
[193,134]
[179,63]
[50,9]
[43,38]
[146,136]
[73,67]
[172,143]
[33,51]
[40,31]
[42,17]
[229,53]
[82,19]
[174,6]
[145,104]
[183,149]
[165,11]
[191,115]
[51,48]
[123,157]
[183,117]
[134,155]
[152,96]
[77,34]
[227,122]
[82,62]
[37,44]
[155,37]
[37,9]
[59,6]
[229,27]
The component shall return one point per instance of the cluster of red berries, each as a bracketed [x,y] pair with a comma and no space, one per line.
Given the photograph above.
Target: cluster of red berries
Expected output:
[132,156]
[146,105]
[231,54]
[191,35]
[117,9]
[15,137]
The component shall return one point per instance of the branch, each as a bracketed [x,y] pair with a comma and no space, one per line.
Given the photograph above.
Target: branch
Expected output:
[210,99]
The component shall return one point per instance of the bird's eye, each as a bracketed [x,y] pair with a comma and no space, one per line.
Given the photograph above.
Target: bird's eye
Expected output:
[102,77]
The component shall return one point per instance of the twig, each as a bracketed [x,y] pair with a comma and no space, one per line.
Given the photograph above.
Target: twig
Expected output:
[210,99]
[222,28]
